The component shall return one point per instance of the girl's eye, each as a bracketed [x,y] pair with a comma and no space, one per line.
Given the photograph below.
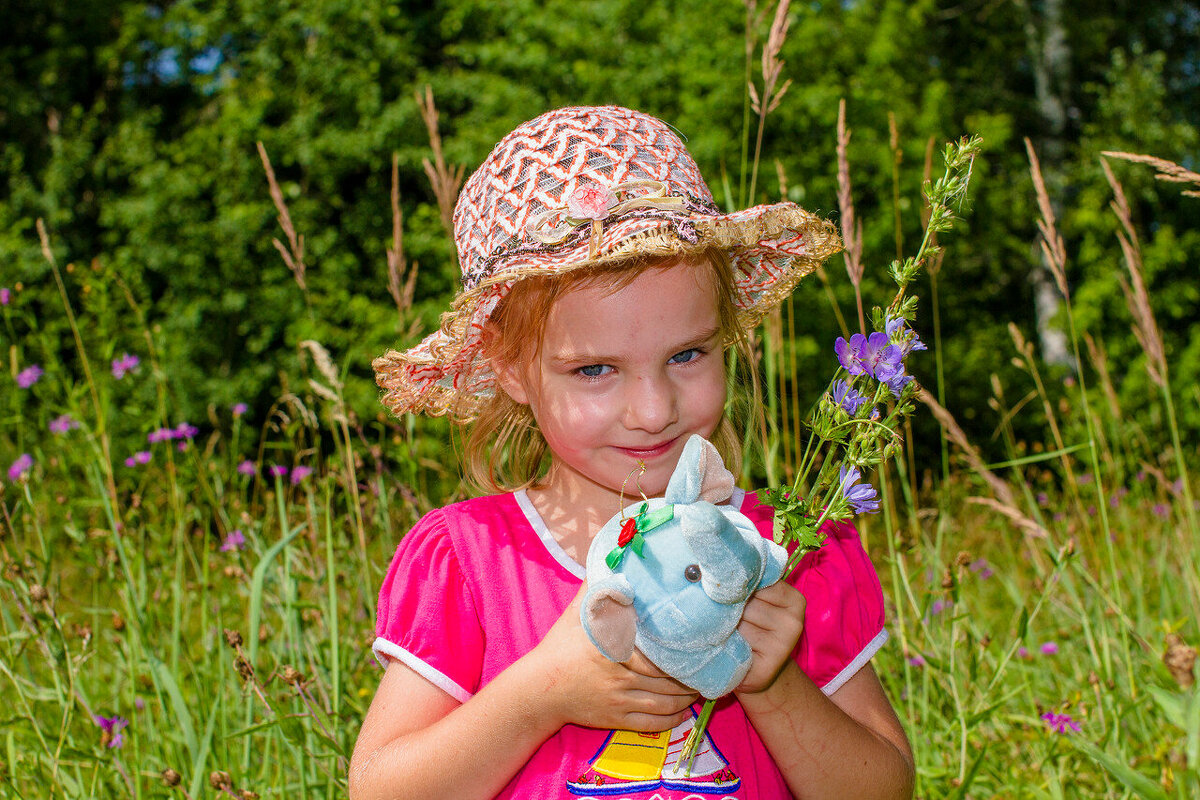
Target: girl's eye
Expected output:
[692,572]
[685,356]
[594,370]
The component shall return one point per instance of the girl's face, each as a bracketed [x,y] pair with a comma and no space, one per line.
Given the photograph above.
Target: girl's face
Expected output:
[624,377]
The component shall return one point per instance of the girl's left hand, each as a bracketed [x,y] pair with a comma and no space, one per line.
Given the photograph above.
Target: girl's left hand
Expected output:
[771,625]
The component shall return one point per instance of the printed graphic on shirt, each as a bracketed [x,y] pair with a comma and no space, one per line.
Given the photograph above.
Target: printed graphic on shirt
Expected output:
[631,763]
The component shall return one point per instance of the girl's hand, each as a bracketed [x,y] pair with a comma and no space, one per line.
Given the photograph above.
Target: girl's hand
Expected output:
[581,686]
[771,625]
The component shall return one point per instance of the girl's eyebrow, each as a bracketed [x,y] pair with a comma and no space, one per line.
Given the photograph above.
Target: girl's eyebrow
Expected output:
[568,358]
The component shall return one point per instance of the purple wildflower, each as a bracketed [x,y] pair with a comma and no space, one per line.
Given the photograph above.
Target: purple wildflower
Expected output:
[939,606]
[860,496]
[234,541]
[1060,723]
[246,468]
[186,431]
[1023,653]
[300,473]
[277,471]
[1049,648]
[111,727]
[138,458]
[124,365]
[62,424]
[29,376]
[22,465]
[916,661]
[239,409]
[896,332]
[980,567]
[1161,510]
[871,355]
[160,435]
[1043,499]
[849,353]
[139,704]
[881,358]
[845,396]
[5,296]
[898,381]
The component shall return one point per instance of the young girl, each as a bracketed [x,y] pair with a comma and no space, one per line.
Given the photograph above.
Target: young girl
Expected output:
[603,290]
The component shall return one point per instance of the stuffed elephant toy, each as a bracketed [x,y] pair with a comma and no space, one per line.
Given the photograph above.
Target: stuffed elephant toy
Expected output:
[671,576]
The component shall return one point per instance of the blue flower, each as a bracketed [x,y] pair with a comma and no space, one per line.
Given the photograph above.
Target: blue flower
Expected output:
[860,496]
[869,355]
[903,337]
[845,396]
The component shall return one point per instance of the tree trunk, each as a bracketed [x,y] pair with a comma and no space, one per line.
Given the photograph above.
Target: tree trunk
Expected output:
[1050,55]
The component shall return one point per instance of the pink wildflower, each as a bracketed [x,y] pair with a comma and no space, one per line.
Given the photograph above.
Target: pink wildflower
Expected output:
[246,468]
[138,458]
[277,471]
[124,365]
[1060,723]
[239,409]
[1049,648]
[300,473]
[20,467]
[234,541]
[5,296]
[62,424]
[111,727]
[29,376]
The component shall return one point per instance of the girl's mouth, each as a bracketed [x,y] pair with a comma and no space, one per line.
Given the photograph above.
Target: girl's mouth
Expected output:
[646,453]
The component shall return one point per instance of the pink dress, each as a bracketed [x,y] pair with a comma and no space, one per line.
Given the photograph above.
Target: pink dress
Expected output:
[476,585]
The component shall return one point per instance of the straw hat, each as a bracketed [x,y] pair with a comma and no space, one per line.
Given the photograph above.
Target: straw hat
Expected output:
[581,187]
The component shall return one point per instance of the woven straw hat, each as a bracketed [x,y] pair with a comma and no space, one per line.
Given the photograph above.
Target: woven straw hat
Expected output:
[581,187]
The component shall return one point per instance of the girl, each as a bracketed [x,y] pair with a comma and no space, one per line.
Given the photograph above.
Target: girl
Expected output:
[602,292]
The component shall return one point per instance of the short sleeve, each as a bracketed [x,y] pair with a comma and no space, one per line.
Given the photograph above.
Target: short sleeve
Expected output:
[843,616]
[426,617]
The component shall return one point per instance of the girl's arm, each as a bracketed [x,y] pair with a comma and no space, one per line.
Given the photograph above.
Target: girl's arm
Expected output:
[417,741]
[847,745]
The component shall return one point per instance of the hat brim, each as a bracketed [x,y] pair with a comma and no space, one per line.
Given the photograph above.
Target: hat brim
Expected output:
[771,248]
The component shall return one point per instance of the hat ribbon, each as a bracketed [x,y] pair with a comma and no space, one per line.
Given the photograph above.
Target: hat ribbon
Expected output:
[595,204]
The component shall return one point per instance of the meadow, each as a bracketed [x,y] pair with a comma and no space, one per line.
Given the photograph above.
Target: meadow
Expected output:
[188,608]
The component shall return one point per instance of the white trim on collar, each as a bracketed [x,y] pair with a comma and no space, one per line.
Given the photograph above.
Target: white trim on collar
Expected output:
[548,541]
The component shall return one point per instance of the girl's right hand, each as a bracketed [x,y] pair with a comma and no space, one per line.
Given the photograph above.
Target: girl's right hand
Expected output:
[581,686]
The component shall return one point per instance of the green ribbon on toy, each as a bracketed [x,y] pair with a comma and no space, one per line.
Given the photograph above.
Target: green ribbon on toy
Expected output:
[632,530]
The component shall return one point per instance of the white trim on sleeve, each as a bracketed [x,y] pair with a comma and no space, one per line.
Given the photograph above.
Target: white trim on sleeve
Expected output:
[856,664]
[384,649]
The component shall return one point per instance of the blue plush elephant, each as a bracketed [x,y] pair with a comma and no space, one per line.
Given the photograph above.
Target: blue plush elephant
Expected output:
[672,575]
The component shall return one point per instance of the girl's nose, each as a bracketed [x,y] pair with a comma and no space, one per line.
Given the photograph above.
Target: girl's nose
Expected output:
[650,404]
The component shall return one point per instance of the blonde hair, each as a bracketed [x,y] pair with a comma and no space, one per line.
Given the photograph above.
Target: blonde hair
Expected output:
[504,450]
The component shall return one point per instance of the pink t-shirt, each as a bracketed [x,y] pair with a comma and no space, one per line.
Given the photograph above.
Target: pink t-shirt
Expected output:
[476,585]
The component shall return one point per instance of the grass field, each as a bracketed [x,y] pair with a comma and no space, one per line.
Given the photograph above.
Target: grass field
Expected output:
[180,620]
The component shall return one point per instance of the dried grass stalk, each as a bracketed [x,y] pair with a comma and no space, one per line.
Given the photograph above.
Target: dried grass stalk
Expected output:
[1052,243]
[400,287]
[446,181]
[293,254]
[1168,171]
[1137,299]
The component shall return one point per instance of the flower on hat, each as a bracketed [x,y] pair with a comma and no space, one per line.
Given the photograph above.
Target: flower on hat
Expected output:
[590,202]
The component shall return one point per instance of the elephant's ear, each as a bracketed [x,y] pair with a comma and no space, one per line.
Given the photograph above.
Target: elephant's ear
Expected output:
[609,618]
[700,475]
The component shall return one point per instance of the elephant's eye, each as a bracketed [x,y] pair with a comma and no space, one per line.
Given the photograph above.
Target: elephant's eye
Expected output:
[692,572]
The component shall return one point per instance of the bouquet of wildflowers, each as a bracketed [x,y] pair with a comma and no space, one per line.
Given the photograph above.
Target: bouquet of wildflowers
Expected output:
[856,423]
